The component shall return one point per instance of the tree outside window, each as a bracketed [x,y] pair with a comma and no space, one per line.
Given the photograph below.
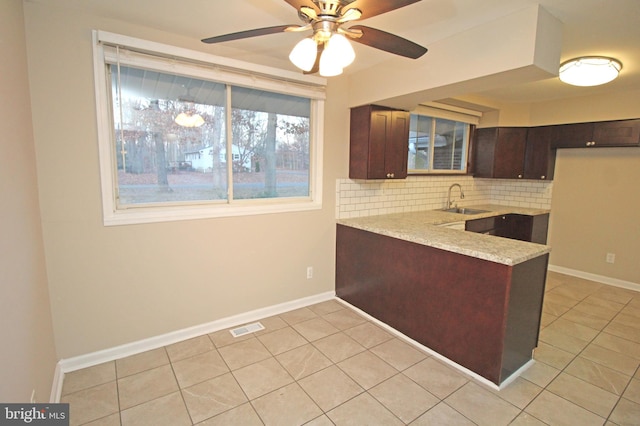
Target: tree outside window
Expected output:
[264,153]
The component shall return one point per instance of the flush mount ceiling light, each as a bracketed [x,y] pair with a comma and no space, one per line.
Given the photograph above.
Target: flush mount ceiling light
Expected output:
[589,70]
[328,50]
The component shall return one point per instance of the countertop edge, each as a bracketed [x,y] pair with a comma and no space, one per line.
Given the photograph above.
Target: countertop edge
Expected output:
[423,227]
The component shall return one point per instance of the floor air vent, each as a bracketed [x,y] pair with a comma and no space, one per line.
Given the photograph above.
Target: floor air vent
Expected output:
[246,329]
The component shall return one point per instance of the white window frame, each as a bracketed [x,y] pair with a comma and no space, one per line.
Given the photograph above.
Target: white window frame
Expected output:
[201,65]
[435,111]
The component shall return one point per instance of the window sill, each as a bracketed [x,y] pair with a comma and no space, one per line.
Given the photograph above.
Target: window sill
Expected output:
[441,173]
[170,214]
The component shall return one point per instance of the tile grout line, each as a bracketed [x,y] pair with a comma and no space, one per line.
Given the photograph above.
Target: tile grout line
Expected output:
[589,343]
[581,351]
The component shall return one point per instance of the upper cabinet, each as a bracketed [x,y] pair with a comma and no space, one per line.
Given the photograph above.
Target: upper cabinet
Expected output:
[513,153]
[499,152]
[619,133]
[379,143]
[530,153]
[539,157]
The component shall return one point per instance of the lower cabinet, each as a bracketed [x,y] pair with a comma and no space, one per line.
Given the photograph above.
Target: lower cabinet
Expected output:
[482,315]
[515,226]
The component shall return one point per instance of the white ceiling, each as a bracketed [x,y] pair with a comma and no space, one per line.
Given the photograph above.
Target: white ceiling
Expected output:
[603,27]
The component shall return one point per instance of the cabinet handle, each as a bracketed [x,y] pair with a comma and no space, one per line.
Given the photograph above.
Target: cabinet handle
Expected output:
[591,143]
[519,176]
[390,175]
[543,177]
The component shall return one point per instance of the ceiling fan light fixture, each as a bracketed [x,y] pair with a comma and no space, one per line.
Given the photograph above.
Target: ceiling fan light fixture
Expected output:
[329,66]
[304,54]
[340,50]
[589,70]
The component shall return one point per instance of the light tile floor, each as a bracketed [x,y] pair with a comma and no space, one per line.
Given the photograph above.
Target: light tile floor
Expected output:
[325,365]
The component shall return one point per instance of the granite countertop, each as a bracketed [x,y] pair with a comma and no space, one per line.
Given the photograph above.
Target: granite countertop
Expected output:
[422,227]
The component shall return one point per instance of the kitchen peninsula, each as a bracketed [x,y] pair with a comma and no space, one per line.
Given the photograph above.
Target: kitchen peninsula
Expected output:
[473,298]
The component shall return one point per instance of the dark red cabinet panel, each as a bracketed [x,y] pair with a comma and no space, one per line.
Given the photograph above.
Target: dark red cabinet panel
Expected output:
[379,143]
[481,315]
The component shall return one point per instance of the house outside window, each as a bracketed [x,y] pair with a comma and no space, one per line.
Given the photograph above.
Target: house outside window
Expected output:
[179,140]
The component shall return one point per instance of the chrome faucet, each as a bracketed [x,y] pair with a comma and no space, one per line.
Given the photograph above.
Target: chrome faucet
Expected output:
[449,202]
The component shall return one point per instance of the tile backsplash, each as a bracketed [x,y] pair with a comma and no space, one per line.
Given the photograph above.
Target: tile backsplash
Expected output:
[357,198]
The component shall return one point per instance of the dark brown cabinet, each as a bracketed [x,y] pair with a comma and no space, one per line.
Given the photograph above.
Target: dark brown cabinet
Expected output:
[484,316]
[513,153]
[619,133]
[539,157]
[486,225]
[523,227]
[515,226]
[499,152]
[379,141]
[530,153]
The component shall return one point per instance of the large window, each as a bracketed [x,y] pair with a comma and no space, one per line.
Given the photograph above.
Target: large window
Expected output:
[182,141]
[439,140]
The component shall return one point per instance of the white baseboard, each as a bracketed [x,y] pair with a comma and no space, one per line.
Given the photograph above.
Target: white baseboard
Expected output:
[442,358]
[56,387]
[593,277]
[133,348]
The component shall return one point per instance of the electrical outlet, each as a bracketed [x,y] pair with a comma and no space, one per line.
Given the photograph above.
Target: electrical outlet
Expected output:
[309,272]
[611,258]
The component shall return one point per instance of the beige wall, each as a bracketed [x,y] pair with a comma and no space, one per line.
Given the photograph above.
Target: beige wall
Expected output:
[589,185]
[27,353]
[595,209]
[114,285]
[595,196]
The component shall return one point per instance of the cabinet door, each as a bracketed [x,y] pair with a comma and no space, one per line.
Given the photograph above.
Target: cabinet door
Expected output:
[579,135]
[379,133]
[539,158]
[397,146]
[486,225]
[484,150]
[616,133]
[514,226]
[379,143]
[500,152]
[359,130]
[510,150]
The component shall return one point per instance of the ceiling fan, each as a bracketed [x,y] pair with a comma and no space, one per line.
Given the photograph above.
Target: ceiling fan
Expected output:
[328,50]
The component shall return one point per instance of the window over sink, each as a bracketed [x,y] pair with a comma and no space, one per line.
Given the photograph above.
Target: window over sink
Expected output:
[438,141]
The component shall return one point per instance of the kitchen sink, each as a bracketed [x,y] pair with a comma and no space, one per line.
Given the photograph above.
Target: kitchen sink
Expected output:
[463,210]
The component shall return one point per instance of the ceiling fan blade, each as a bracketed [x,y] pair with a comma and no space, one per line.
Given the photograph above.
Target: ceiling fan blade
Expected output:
[297,4]
[388,42]
[372,8]
[249,33]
